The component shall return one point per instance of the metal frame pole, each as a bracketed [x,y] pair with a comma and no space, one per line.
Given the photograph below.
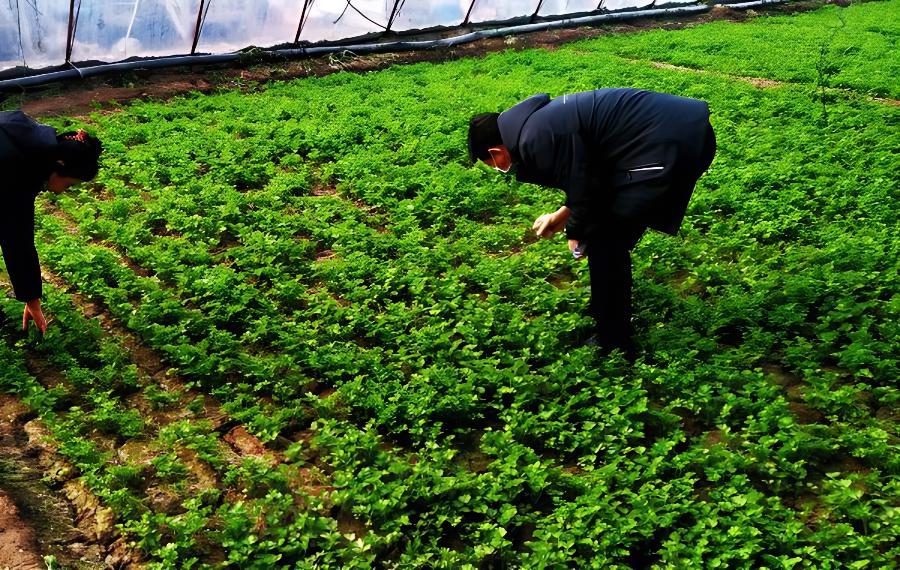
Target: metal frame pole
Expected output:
[393,15]
[303,15]
[469,13]
[536,10]
[70,37]
[197,28]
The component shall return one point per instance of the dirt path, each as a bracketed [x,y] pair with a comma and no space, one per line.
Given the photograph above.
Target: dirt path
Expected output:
[18,543]
[35,521]
[18,547]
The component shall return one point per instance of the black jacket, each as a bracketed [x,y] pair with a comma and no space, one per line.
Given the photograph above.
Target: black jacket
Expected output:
[26,150]
[629,153]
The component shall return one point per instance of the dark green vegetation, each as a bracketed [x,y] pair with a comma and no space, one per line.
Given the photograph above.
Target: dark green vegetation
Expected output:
[319,257]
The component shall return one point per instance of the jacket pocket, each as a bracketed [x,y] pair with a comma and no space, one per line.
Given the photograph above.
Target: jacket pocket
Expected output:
[646,168]
[644,172]
[640,173]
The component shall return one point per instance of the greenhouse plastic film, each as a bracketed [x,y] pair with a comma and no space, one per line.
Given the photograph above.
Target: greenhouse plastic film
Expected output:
[33,33]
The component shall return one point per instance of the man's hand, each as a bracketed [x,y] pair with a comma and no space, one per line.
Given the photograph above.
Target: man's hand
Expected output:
[33,312]
[549,224]
[573,243]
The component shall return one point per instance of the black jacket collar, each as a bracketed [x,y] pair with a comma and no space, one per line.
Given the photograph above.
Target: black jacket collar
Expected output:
[513,120]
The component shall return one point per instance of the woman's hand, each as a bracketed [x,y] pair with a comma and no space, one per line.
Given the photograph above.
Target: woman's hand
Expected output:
[549,224]
[33,312]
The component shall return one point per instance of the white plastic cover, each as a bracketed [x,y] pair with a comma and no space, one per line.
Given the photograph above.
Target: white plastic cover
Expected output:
[33,33]
[499,10]
[338,19]
[231,25]
[560,7]
[111,30]
[420,14]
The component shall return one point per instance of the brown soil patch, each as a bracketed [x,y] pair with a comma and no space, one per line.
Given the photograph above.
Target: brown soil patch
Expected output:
[780,376]
[762,83]
[348,524]
[671,66]
[202,476]
[245,443]
[107,93]
[714,437]
[562,280]
[18,547]
[98,520]
[805,413]
[323,191]
[759,82]
[34,519]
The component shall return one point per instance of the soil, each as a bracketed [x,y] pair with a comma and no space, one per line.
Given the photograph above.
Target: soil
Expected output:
[18,547]
[80,97]
[35,519]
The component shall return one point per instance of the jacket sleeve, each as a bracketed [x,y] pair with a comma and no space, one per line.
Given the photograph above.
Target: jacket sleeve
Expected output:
[566,156]
[19,253]
[578,191]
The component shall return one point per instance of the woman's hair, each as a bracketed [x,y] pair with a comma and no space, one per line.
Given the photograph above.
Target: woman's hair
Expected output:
[483,134]
[79,154]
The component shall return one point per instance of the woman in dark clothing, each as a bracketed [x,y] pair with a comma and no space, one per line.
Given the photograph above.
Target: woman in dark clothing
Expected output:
[33,157]
[627,159]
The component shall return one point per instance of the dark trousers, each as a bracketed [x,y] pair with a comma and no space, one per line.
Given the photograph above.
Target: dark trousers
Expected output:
[609,260]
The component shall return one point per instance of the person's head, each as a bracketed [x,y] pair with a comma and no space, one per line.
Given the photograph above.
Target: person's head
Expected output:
[486,144]
[76,160]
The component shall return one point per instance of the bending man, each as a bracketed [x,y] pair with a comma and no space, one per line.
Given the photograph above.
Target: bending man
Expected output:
[33,156]
[627,159]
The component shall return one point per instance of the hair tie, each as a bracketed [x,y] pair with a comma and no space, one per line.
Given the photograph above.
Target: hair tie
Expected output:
[80,136]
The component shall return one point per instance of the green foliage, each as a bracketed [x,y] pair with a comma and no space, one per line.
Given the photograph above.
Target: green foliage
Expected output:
[320,257]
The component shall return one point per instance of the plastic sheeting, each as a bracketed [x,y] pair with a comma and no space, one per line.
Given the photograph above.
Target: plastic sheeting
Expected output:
[561,7]
[115,30]
[336,19]
[418,15]
[34,33]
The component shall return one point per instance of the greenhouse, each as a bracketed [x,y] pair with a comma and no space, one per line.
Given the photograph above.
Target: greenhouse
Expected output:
[449,284]
[37,34]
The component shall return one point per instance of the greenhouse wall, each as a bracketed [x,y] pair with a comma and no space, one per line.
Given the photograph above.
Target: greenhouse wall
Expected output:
[36,34]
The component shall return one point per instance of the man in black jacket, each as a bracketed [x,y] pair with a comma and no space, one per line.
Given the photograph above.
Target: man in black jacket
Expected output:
[627,159]
[33,156]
